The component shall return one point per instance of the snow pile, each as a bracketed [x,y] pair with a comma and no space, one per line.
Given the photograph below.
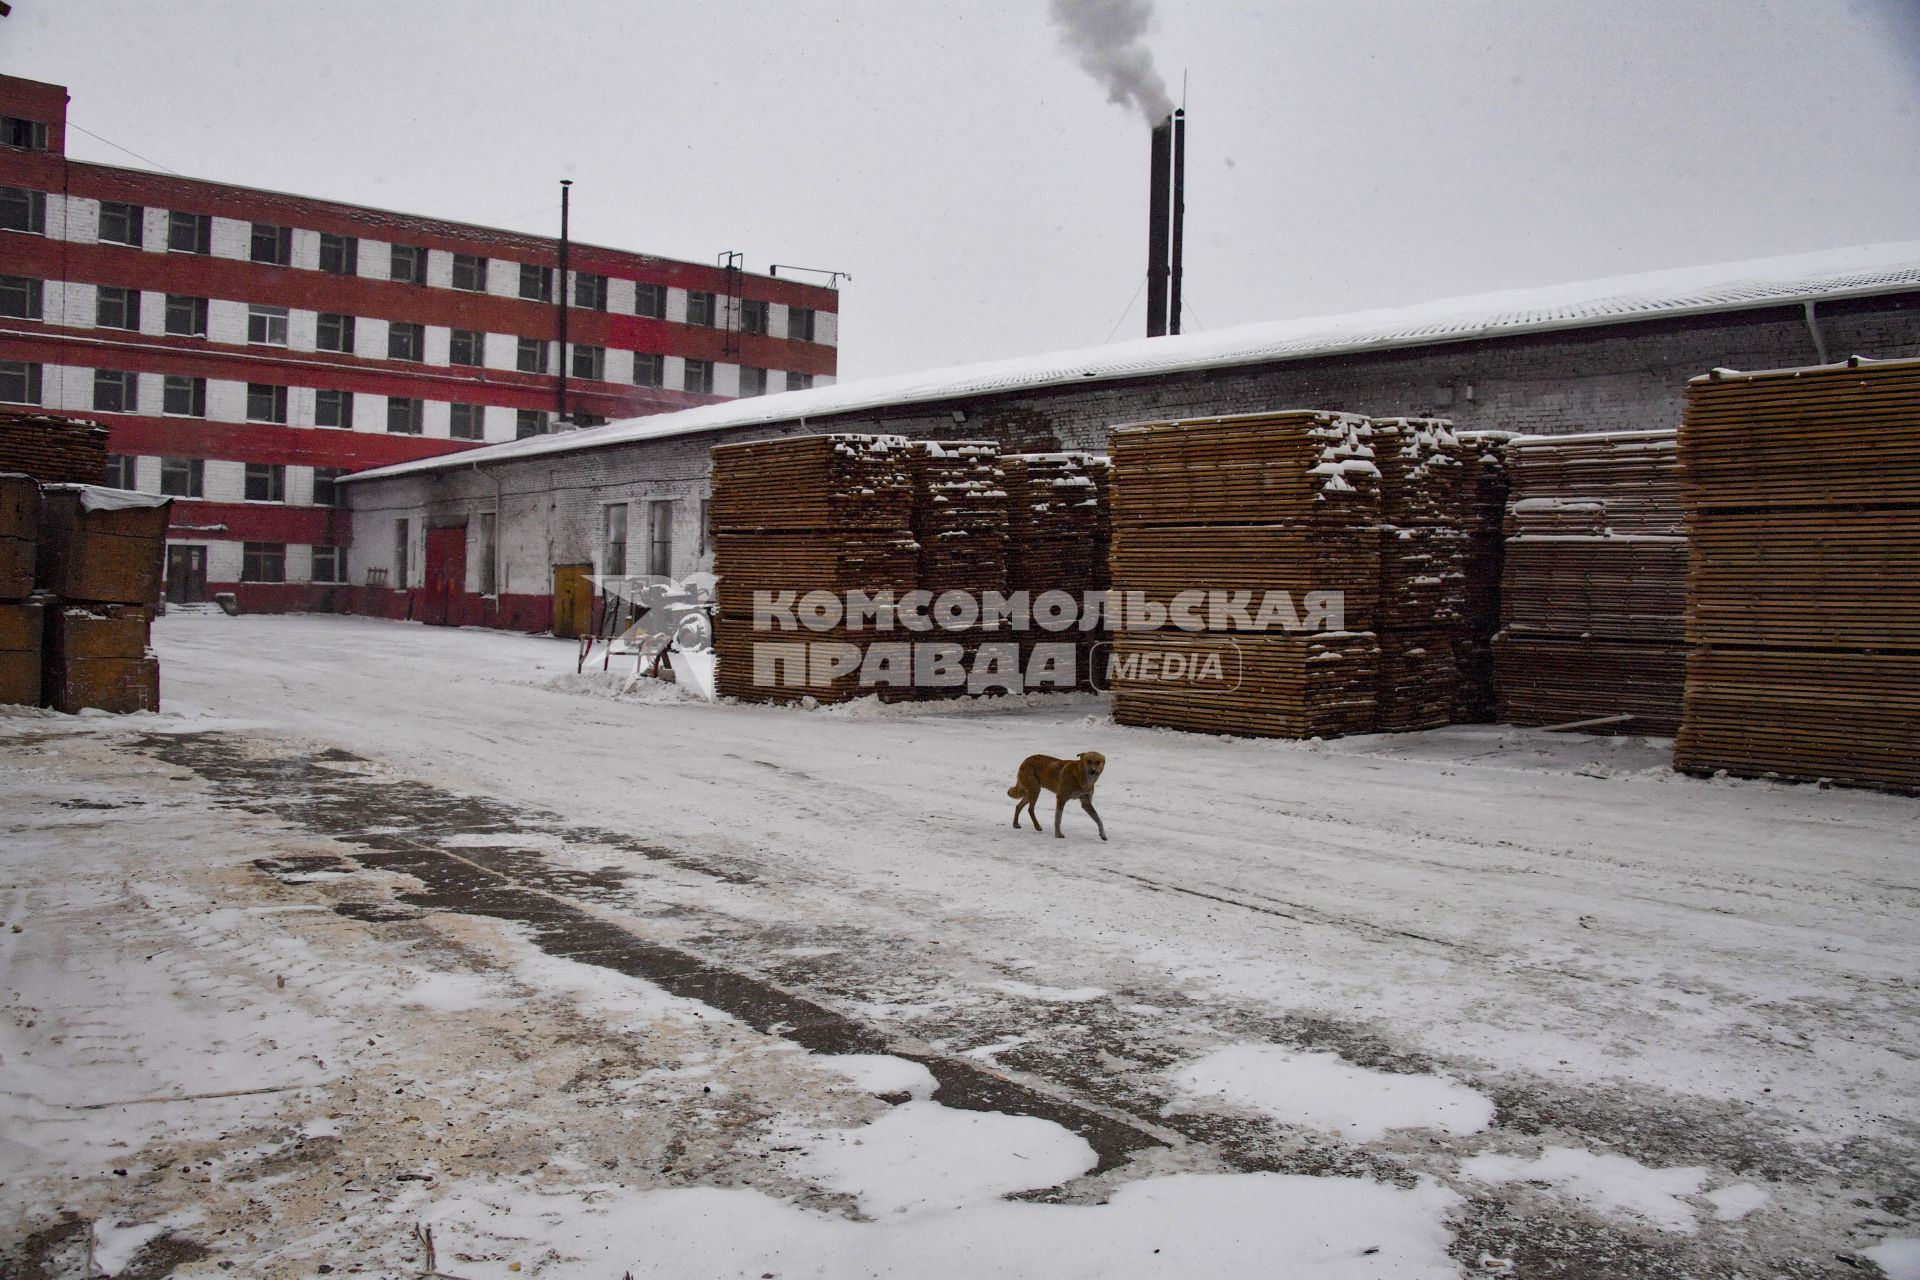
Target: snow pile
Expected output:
[1323,1091]
[1613,1185]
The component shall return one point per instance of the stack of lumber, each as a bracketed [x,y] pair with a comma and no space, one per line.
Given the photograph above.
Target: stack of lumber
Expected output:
[1286,501]
[53,450]
[1056,519]
[959,516]
[1423,572]
[1802,496]
[1592,596]
[829,513]
[1483,505]
[20,617]
[100,557]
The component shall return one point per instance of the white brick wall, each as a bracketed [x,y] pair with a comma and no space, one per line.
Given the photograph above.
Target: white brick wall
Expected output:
[826,328]
[369,412]
[226,321]
[438,339]
[777,319]
[620,295]
[232,239]
[78,304]
[226,400]
[153,230]
[153,313]
[726,379]
[439,269]
[674,372]
[82,220]
[370,338]
[306,249]
[376,263]
[225,481]
[503,278]
[224,560]
[676,306]
[303,329]
[500,350]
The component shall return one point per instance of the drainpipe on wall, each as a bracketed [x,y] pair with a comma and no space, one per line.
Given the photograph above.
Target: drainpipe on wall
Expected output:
[1813,328]
[499,519]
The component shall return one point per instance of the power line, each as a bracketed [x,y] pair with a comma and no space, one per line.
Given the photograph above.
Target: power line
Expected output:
[117,147]
[1129,307]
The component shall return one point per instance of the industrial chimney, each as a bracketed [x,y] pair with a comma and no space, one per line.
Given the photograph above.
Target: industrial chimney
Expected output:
[1166,216]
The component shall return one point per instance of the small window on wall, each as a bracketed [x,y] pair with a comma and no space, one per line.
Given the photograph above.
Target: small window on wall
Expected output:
[699,376]
[21,297]
[183,397]
[753,382]
[402,544]
[183,477]
[329,564]
[266,403]
[334,333]
[649,369]
[531,356]
[467,422]
[267,326]
[660,539]
[470,272]
[264,562]
[536,283]
[800,324]
[700,308]
[186,316]
[406,341]
[409,264]
[117,308]
[120,471]
[406,416]
[28,135]
[23,210]
[326,486]
[116,391]
[613,559]
[189,232]
[590,291]
[529,422]
[122,223]
[753,316]
[272,245]
[19,382]
[589,362]
[333,409]
[266,482]
[339,255]
[799,381]
[650,300]
[465,346]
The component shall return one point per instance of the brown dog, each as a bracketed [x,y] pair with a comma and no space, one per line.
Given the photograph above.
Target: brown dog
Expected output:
[1068,780]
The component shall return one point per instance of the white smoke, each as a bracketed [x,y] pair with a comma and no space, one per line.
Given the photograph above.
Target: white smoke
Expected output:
[1105,36]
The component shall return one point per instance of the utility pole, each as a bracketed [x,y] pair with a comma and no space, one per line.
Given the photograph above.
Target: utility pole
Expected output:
[560,301]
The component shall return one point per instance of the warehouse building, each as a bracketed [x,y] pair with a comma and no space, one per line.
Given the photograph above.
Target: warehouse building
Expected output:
[246,348]
[505,535]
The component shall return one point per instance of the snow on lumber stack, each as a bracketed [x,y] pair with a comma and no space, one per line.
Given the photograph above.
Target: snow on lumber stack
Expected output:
[1056,540]
[1253,506]
[959,516]
[1802,496]
[1593,582]
[1423,571]
[1483,506]
[1419,683]
[812,482]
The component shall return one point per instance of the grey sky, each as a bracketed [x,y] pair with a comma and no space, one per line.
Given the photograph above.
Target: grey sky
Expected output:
[985,195]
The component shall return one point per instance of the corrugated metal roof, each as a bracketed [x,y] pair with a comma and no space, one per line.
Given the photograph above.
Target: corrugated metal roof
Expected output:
[1841,273]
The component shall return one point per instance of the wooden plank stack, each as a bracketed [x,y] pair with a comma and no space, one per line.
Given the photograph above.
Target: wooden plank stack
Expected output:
[101,556]
[805,513]
[21,618]
[959,516]
[1482,506]
[1287,500]
[1593,579]
[1423,572]
[1058,523]
[1802,496]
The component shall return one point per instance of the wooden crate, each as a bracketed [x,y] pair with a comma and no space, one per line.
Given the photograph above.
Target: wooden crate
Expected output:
[111,554]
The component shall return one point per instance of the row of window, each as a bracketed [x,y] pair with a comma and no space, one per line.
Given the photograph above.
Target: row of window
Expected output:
[185,396]
[267,562]
[22,209]
[187,478]
[116,308]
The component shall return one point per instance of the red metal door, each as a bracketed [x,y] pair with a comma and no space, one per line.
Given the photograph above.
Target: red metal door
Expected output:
[446,575]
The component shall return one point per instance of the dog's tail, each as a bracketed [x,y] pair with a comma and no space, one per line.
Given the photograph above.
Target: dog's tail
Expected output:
[1014,792]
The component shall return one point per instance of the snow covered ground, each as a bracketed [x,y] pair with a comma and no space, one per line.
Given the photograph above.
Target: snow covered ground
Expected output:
[384,934]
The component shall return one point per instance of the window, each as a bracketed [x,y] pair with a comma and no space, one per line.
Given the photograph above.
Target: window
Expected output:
[536,283]
[753,382]
[339,255]
[263,562]
[183,477]
[699,376]
[186,316]
[334,333]
[529,422]
[589,419]
[122,223]
[19,382]
[267,325]
[800,323]
[22,210]
[120,471]
[613,555]
[660,539]
[115,391]
[465,346]
[753,316]
[326,489]
[401,545]
[470,272]
[266,482]
[189,232]
[406,416]
[406,341]
[532,356]
[699,308]
[589,291]
[333,409]
[29,135]
[650,300]
[266,403]
[649,370]
[117,308]
[467,422]
[271,244]
[489,574]
[20,297]
[589,362]
[183,397]
[799,382]
[329,564]
[409,264]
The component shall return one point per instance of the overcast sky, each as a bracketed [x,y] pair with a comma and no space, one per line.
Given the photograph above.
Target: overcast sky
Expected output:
[986,197]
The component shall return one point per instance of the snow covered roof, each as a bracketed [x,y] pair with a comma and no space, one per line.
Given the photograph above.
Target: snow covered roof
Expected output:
[1841,273]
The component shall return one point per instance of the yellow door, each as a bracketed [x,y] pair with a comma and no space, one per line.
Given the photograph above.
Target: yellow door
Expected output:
[572,600]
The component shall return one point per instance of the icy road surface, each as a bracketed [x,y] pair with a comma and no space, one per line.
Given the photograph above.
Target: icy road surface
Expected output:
[384,935]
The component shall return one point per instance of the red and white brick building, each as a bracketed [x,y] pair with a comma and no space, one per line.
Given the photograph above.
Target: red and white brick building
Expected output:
[245,348]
